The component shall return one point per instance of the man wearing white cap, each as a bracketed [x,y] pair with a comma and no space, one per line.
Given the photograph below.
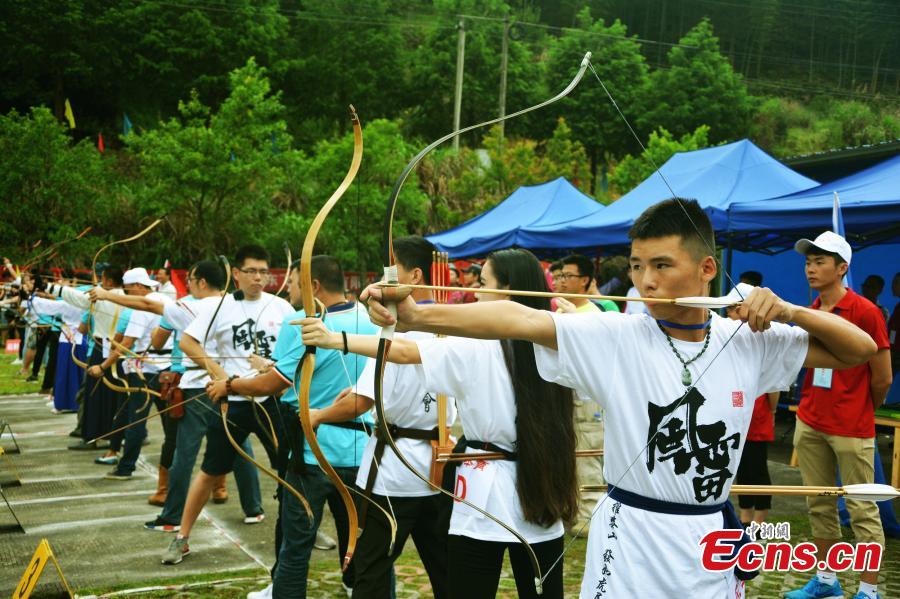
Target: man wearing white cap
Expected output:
[836,418]
[143,365]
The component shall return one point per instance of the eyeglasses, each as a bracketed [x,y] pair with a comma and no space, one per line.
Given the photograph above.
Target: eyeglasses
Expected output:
[566,276]
[255,271]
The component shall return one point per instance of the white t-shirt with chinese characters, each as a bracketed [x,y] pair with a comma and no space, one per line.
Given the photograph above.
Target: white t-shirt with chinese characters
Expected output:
[474,372]
[407,404]
[180,314]
[141,327]
[626,364]
[241,327]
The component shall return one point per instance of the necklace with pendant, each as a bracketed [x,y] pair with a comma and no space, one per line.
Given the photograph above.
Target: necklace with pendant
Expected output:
[686,378]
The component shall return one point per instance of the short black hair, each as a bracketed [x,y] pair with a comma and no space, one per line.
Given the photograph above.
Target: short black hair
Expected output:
[554,266]
[113,273]
[583,263]
[751,277]
[815,251]
[327,270]
[168,270]
[677,216]
[252,251]
[874,279]
[414,251]
[211,272]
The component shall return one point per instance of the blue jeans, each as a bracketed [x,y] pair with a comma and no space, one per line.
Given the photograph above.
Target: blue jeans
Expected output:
[297,544]
[138,407]
[191,431]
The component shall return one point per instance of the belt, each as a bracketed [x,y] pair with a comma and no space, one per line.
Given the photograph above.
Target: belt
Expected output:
[650,504]
[397,432]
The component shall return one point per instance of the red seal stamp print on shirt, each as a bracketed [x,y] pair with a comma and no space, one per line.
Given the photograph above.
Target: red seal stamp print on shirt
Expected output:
[737,399]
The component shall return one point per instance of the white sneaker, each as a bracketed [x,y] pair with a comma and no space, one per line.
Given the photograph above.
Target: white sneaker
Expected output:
[266,593]
[254,519]
[324,542]
[17,362]
[347,590]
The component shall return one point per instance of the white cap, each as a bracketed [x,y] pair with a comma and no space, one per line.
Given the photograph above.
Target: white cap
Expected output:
[828,242]
[740,292]
[139,276]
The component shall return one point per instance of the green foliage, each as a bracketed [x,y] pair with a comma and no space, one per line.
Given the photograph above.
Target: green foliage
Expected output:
[699,87]
[619,63]
[353,230]
[661,146]
[52,188]
[215,174]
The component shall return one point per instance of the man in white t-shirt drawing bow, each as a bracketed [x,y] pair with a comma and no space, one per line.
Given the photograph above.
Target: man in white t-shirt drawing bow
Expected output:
[677,400]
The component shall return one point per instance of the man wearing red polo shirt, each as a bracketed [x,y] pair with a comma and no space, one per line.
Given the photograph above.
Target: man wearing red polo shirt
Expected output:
[836,419]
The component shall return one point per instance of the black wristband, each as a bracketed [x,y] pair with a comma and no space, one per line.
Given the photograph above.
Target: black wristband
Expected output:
[346,347]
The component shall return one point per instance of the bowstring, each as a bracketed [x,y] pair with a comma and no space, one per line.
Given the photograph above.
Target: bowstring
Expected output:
[709,364]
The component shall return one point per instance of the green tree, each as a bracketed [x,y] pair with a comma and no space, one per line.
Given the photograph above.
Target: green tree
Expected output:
[214,174]
[620,64]
[661,146]
[699,87]
[52,188]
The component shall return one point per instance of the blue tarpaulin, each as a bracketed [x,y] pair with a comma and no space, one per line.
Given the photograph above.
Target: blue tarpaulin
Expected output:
[870,203]
[716,177]
[537,205]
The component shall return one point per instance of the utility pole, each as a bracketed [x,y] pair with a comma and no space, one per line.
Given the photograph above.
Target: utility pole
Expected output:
[504,61]
[460,61]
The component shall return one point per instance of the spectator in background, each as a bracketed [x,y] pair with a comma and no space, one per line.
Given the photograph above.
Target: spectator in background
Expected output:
[871,289]
[471,279]
[836,418]
[751,277]
[455,297]
[894,326]
[163,276]
[577,276]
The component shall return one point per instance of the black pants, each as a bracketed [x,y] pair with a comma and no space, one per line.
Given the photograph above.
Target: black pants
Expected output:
[43,338]
[475,566]
[426,519]
[754,470]
[50,370]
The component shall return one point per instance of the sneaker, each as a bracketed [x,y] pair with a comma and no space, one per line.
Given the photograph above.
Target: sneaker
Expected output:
[348,590]
[31,379]
[82,446]
[324,542]
[178,548]
[266,593]
[861,595]
[116,475]
[107,460]
[161,526]
[254,519]
[76,433]
[17,362]
[815,589]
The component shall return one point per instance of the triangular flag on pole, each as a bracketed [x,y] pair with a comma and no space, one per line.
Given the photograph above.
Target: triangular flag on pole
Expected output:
[126,124]
[100,145]
[70,116]
[837,226]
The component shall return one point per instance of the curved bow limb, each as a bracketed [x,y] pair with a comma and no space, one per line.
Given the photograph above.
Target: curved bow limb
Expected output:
[387,333]
[308,363]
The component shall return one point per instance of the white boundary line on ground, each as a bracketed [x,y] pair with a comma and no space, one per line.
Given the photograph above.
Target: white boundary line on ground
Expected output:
[78,497]
[220,527]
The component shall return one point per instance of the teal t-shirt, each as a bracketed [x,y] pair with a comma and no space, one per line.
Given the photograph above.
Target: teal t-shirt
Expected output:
[177,354]
[87,319]
[334,372]
[124,317]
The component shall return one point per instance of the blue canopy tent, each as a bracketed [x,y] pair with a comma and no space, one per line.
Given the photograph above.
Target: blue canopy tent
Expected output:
[716,177]
[870,203]
[536,205]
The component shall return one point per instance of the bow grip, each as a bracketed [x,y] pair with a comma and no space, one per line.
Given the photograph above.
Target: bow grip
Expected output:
[390,276]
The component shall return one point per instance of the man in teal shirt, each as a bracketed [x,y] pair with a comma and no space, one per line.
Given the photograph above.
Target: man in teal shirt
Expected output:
[342,443]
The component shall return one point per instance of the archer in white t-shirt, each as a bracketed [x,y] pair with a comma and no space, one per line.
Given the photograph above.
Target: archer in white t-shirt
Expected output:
[505,407]
[677,387]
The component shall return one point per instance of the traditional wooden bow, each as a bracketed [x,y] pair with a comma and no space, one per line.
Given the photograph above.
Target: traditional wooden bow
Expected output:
[307,364]
[387,333]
